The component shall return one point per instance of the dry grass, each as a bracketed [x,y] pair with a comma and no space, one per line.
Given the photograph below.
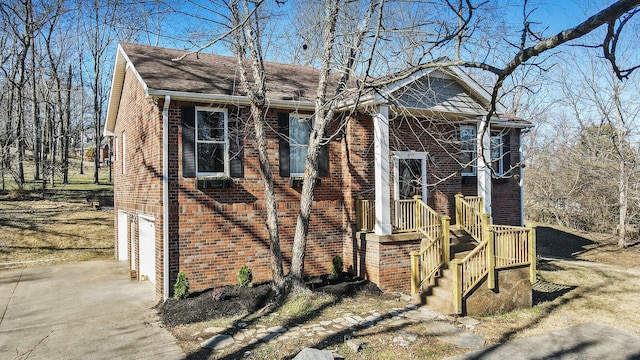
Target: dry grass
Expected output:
[598,282]
[53,232]
[58,225]
[305,309]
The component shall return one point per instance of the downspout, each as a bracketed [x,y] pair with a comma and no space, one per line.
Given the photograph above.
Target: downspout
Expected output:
[521,182]
[165,197]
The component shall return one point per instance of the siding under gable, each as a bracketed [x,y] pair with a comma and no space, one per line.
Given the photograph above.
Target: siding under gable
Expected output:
[440,93]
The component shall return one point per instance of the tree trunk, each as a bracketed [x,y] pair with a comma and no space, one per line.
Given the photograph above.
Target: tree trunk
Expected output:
[277,272]
[37,143]
[622,241]
[66,131]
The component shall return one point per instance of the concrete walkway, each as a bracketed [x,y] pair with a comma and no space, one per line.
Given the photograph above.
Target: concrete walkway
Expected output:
[585,341]
[87,310]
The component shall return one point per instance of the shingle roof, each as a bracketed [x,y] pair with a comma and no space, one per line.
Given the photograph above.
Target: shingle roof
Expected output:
[216,74]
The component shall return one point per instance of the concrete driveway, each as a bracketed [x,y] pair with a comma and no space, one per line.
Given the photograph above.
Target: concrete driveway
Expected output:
[87,310]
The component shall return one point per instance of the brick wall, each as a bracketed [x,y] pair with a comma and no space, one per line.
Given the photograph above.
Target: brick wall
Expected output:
[138,190]
[383,260]
[216,231]
[505,195]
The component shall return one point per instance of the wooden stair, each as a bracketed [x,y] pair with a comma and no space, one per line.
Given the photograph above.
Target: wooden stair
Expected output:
[438,295]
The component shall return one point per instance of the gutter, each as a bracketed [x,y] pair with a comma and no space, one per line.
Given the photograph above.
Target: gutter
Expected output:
[165,197]
[234,99]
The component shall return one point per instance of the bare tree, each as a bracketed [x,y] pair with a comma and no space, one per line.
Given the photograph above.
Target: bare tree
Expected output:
[247,36]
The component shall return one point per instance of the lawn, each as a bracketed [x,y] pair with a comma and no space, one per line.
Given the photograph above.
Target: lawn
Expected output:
[57,225]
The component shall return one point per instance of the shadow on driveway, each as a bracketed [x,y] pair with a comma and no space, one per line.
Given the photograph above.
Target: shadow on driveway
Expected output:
[87,310]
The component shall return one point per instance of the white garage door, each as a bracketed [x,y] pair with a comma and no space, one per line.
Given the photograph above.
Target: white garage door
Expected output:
[123,253]
[147,232]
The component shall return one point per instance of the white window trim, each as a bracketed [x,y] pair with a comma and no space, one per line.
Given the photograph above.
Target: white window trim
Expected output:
[405,155]
[225,141]
[474,152]
[299,117]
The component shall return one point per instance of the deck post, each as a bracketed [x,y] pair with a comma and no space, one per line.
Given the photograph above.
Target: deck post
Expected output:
[418,212]
[532,254]
[491,255]
[446,247]
[381,171]
[459,198]
[456,271]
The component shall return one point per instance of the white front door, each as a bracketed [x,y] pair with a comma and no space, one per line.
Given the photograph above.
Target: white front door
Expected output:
[147,247]
[410,175]
[123,248]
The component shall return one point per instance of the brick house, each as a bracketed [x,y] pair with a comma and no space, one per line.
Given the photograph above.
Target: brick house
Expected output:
[188,195]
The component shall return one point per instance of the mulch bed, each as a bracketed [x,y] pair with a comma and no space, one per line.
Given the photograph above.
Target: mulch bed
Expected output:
[241,301]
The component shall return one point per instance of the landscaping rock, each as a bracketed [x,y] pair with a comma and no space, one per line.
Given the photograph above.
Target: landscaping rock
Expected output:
[408,336]
[355,345]
[464,340]
[215,330]
[439,328]
[469,322]
[313,354]
[277,329]
[351,320]
[218,342]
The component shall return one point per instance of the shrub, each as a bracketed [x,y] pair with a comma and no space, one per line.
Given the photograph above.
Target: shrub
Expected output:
[181,287]
[336,266]
[245,276]
[217,294]
[90,153]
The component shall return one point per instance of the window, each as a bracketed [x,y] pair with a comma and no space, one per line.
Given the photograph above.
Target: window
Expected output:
[212,142]
[468,152]
[294,131]
[299,132]
[500,153]
[124,152]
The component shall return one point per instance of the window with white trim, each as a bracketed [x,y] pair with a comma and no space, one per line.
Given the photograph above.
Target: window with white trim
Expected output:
[299,132]
[124,152]
[212,142]
[500,153]
[468,150]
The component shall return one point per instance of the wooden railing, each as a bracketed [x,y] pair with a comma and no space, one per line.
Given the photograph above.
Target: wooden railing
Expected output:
[404,215]
[515,246]
[499,247]
[434,248]
[470,217]
[365,214]
[414,215]
[468,272]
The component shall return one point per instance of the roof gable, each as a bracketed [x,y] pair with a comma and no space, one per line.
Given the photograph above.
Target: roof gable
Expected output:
[439,92]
